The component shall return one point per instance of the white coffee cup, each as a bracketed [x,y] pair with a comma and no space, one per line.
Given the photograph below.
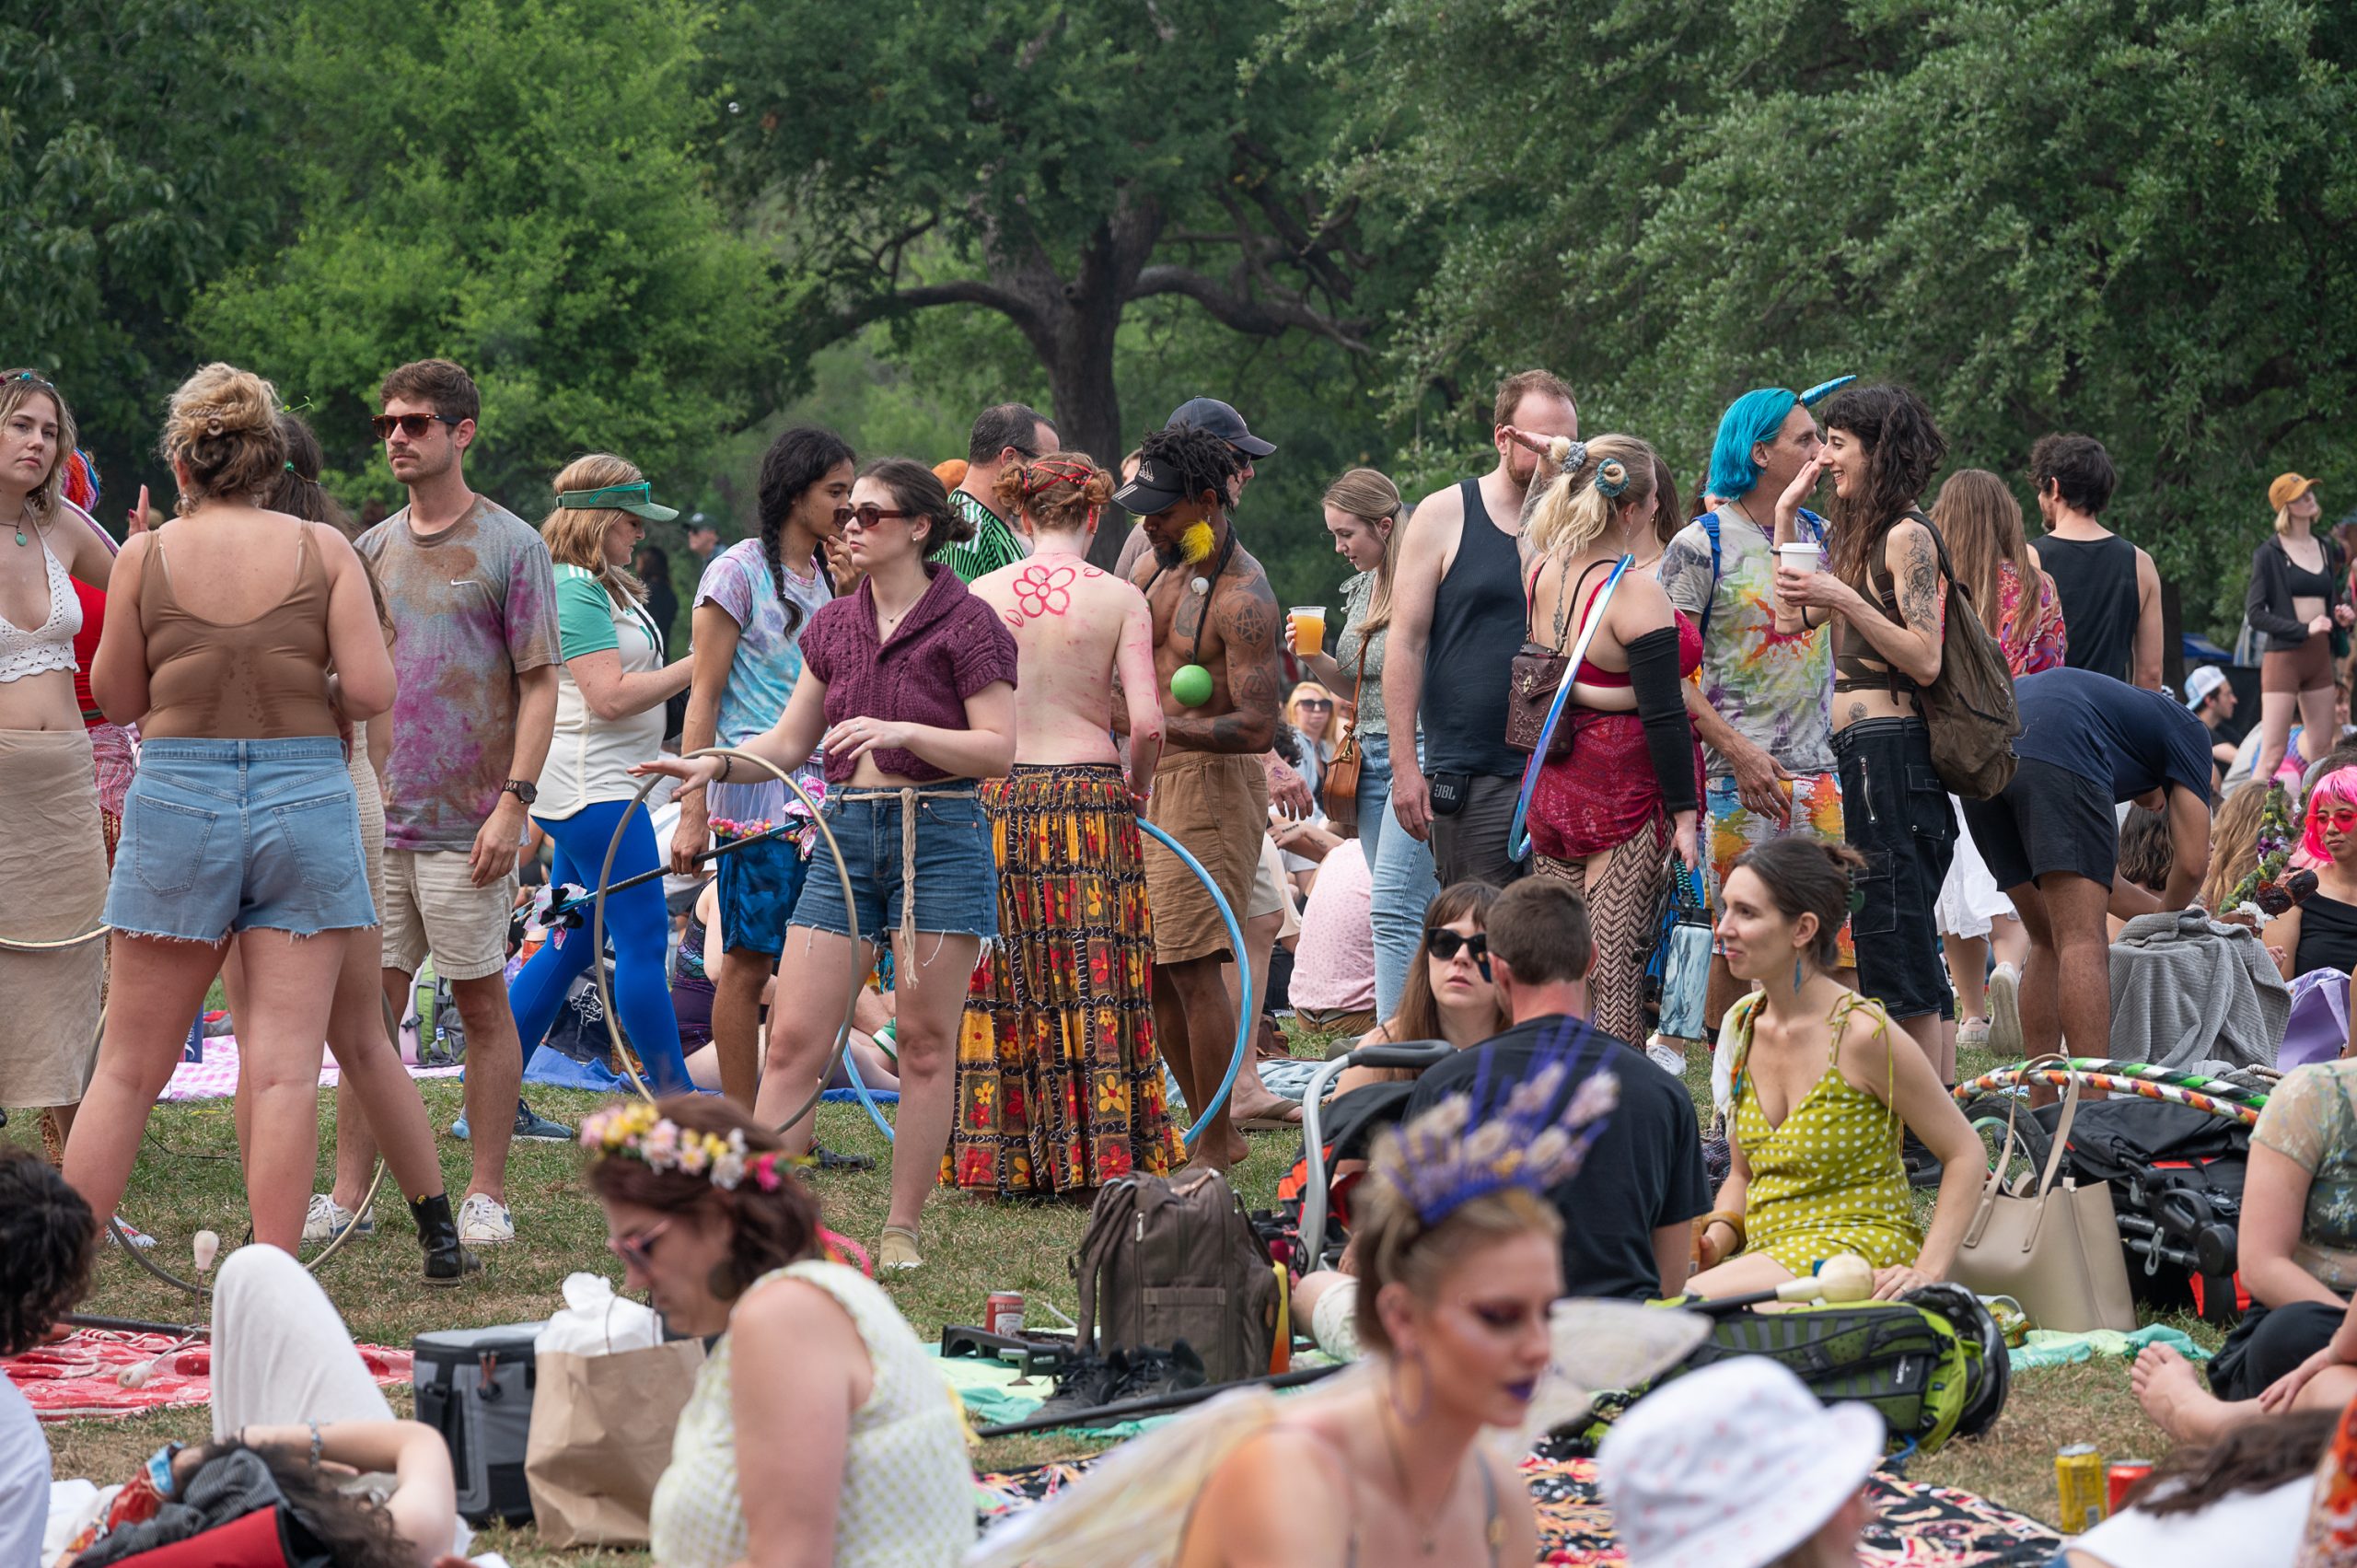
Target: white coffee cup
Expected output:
[1801,555]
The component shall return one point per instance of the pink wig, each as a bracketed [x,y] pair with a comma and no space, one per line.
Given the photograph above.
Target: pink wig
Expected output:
[2336,788]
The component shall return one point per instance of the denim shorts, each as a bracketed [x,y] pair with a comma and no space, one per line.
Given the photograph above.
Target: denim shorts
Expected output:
[235,835]
[759,885]
[1895,813]
[957,869]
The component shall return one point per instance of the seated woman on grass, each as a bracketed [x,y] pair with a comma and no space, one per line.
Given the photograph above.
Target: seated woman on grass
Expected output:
[2297,1245]
[818,1431]
[1448,997]
[1822,1089]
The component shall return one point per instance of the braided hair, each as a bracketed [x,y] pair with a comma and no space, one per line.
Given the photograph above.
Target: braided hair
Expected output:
[802,456]
[1198,460]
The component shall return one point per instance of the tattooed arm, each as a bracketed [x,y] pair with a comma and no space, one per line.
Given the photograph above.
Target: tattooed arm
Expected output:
[1247,619]
[1911,643]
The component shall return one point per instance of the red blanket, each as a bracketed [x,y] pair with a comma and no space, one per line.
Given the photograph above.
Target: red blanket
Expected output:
[74,1379]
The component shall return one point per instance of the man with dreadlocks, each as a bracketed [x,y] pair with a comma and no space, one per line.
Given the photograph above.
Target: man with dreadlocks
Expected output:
[1215,670]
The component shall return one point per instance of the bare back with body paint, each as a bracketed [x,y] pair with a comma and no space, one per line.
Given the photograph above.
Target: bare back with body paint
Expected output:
[1077,629]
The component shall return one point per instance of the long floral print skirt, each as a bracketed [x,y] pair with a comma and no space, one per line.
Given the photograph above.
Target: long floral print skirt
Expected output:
[1058,1086]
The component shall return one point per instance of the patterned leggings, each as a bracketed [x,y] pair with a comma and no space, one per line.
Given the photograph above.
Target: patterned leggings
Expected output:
[1624,914]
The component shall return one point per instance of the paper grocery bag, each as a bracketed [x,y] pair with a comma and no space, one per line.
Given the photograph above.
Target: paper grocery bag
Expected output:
[600,1438]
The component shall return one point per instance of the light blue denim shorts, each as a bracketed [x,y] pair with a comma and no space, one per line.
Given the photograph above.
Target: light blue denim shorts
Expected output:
[957,869]
[234,835]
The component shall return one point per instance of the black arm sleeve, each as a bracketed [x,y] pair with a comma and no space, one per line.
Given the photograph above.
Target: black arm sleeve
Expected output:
[1661,704]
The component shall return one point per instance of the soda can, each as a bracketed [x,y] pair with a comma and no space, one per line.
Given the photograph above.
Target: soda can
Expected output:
[2079,1482]
[1002,1313]
[2120,1476]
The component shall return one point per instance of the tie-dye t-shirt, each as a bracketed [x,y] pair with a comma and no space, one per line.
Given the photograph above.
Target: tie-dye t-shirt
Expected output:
[1776,690]
[471,606]
[762,675]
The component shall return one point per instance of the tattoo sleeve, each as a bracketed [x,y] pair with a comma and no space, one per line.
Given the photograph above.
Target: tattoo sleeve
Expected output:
[1247,626]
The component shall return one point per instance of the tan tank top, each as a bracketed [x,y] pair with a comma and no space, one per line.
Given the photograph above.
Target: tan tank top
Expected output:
[259,679]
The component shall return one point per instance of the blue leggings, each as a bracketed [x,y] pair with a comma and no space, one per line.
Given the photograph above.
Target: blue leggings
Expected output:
[638,924]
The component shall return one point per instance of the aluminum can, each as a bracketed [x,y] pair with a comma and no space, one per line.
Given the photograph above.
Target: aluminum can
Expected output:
[2079,1482]
[1003,1312]
[2120,1476]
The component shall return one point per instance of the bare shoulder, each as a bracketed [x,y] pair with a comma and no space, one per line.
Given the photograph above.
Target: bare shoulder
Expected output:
[1909,540]
[789,1307]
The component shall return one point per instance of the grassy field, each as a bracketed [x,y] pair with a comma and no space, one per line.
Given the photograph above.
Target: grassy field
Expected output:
[187,1180]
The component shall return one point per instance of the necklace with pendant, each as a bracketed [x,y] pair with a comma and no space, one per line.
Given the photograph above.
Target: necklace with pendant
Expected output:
[1428,1531]
[20,524]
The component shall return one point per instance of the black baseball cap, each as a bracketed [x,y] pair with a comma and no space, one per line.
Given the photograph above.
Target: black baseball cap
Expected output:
[1153,488]
[1221,420]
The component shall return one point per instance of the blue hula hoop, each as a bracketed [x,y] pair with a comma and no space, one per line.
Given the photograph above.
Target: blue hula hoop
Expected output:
[1519,841]
[1245,1019]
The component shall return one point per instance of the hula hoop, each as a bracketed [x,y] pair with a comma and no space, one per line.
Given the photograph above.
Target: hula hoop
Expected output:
[866,1099]
[2061,1078]
[1517,840]
[597,933]
[12,945]
[2141,1072]
[311,1264]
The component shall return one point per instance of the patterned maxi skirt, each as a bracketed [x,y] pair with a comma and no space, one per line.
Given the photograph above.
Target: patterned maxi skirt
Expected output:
[1058,1087]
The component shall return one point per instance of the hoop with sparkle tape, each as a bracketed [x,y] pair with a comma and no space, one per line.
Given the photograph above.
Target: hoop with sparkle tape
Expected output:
[2059,1077]
[1517,840]
[598,931]
[2143,1071]
[336,1242]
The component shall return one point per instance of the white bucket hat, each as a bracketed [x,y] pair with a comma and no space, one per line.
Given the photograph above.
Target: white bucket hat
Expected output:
[1732,1466]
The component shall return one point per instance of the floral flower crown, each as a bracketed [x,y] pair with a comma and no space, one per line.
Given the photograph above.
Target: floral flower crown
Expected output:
[638,1131]
[1438,1167]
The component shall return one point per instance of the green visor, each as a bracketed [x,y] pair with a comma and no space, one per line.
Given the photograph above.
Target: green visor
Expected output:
[631,498]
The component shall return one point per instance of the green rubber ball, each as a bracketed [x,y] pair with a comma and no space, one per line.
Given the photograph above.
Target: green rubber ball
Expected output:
[1191,684]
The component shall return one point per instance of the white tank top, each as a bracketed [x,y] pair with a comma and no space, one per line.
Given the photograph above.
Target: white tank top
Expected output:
[51,645]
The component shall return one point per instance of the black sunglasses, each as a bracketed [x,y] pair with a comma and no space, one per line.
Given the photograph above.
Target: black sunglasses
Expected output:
[409,424]
[867,513]
[1444,943]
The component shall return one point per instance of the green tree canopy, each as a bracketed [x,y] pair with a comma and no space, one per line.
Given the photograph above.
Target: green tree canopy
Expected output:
[513,184]
[2128,217]
[128,144]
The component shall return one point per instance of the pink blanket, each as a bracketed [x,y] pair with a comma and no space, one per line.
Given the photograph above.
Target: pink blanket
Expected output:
[215,1077]
[75,1379]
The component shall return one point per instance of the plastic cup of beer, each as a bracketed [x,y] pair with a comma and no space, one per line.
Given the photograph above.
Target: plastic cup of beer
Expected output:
[1308,629]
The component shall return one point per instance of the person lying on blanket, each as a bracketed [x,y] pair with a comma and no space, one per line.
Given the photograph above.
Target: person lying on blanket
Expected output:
[297,1417]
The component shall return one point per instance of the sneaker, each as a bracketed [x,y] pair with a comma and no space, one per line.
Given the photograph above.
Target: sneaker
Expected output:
[132,1234]
[1154,1371]
[1666,1056]
[1972,1035]
[1086,1383]
[326,1219]
[532,1127]
[2005,1012]
[824,1158]
[483,1221]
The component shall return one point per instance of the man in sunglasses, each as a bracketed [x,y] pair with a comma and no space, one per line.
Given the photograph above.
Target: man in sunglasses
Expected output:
[1002,434]
[472,596]
[2051,839]
[1629,1212]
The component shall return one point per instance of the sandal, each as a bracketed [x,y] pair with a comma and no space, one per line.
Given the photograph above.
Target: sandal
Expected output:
[896,1252]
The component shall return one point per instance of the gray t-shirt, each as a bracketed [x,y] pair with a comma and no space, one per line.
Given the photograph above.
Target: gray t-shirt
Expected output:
[24,1480]
[471,607]
[1775,691]
[1358,593]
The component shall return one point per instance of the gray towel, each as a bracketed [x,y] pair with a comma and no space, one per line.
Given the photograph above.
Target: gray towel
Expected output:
[2192,996]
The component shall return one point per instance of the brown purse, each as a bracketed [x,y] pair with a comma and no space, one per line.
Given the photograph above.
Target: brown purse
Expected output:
[1536,673]
[1338,787]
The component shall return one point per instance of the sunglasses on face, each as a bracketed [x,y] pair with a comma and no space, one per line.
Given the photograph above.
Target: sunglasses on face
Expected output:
[1444,943]
[638,1249]
[867,515]
[409,424]
[1317,701]
[2340,819]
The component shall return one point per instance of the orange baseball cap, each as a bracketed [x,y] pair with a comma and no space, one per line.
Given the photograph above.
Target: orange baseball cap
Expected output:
[2288,488]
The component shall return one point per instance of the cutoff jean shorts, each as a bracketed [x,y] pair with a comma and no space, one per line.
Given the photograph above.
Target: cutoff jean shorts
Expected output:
[239,835]
[956,871]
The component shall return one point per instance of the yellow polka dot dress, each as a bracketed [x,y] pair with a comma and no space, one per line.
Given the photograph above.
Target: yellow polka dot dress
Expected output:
[1829,1179]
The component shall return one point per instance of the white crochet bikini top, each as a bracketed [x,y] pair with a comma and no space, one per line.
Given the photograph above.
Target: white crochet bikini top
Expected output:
[51,645]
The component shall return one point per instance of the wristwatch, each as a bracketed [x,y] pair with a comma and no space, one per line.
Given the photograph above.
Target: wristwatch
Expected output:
[526,793]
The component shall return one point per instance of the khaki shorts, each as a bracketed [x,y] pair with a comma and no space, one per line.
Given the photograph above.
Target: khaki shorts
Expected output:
[1216,805]
[433,908]
[1273,891]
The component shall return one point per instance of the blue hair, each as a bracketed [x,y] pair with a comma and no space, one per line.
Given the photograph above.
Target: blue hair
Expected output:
[1751,419]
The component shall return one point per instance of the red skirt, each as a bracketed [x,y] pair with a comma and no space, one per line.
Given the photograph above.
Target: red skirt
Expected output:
[1602,792]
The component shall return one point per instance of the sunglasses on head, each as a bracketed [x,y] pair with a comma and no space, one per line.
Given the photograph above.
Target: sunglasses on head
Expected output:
[638,1249]
[867,515]
[1444,943]
[409,424]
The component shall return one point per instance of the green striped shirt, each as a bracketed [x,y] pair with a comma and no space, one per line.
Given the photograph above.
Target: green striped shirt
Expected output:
[992,546]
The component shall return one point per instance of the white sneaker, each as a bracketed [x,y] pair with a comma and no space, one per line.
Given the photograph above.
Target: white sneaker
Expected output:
[1666,1056]
[485,1221]
[2006,1012]
[326,1219]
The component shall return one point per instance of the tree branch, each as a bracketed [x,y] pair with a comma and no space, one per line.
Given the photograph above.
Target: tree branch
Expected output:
[1259,317]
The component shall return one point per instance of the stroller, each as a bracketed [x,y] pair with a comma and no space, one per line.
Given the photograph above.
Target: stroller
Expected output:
[2172,1145]
[1933,1364]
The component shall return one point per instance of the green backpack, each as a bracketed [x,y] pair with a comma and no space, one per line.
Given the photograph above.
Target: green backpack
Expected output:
[1933,1364]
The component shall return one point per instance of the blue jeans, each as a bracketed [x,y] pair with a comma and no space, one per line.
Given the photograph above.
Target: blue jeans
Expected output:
[638,927]
[1405,881]
[235,835]
[1375,794]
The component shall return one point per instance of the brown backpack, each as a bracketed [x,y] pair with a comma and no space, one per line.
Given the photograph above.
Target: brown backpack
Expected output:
[1167,1259]
[1969,709]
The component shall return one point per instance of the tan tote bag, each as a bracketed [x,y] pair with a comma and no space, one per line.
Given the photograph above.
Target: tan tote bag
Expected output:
[2050,1244]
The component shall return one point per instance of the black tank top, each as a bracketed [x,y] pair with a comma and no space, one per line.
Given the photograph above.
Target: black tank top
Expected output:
[1477,628]
[2327,936]
[2095,581]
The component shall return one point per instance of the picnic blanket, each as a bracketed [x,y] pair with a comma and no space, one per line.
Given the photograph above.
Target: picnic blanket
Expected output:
[215,1077]
[75,1379]
[1920,1526]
